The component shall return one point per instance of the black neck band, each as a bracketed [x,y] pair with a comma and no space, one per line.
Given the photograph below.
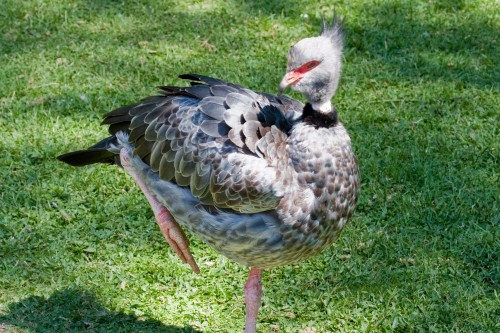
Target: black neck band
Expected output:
[319,119]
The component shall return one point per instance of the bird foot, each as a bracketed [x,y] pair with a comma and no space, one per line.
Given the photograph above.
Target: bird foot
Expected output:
[176,238]
[168,226]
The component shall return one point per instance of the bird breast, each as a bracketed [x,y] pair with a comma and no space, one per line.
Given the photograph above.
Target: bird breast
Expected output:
[326,181]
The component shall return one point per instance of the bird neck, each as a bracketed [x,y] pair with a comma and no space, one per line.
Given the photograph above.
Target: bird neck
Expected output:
[319,119]
[323,106]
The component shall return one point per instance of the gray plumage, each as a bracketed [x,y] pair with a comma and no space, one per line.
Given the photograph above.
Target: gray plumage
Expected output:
[248,172]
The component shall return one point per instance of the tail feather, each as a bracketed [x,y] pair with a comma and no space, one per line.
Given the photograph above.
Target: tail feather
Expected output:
[98,153]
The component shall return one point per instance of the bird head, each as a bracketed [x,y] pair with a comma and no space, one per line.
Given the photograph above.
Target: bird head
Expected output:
[314,66]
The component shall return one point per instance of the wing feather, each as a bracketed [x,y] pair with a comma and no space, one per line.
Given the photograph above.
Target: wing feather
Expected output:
[219,139]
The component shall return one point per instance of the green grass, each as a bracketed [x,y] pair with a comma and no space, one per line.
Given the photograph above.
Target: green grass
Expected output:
[420,95]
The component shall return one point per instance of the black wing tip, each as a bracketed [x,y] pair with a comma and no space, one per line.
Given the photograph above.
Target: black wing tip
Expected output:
[89,156]
[72,158]
[169,90]
[202,79]
[196,79]
[62,157]
[191,76]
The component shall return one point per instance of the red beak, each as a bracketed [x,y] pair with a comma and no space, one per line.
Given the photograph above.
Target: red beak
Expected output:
[294,76]
[291,78]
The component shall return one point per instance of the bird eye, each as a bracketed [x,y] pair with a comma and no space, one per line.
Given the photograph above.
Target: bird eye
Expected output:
[312,64]
[307,67]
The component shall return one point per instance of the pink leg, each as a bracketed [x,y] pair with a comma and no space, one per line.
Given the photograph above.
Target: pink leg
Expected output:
[168,226]
[253,296]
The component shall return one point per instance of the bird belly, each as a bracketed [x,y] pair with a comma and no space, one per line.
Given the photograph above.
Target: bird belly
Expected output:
[259,240]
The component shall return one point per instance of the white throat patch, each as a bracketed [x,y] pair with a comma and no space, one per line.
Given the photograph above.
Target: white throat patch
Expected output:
[323,107]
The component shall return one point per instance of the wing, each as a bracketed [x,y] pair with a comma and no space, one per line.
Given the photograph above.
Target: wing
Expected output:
[225,142]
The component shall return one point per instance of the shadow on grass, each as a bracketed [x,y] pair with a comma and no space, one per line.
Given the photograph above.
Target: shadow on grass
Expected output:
[74,310]
[290,8]
[402,40]
[427,167]
[422,45]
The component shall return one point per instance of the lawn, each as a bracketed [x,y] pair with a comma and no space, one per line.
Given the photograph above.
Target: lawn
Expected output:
[420,95]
